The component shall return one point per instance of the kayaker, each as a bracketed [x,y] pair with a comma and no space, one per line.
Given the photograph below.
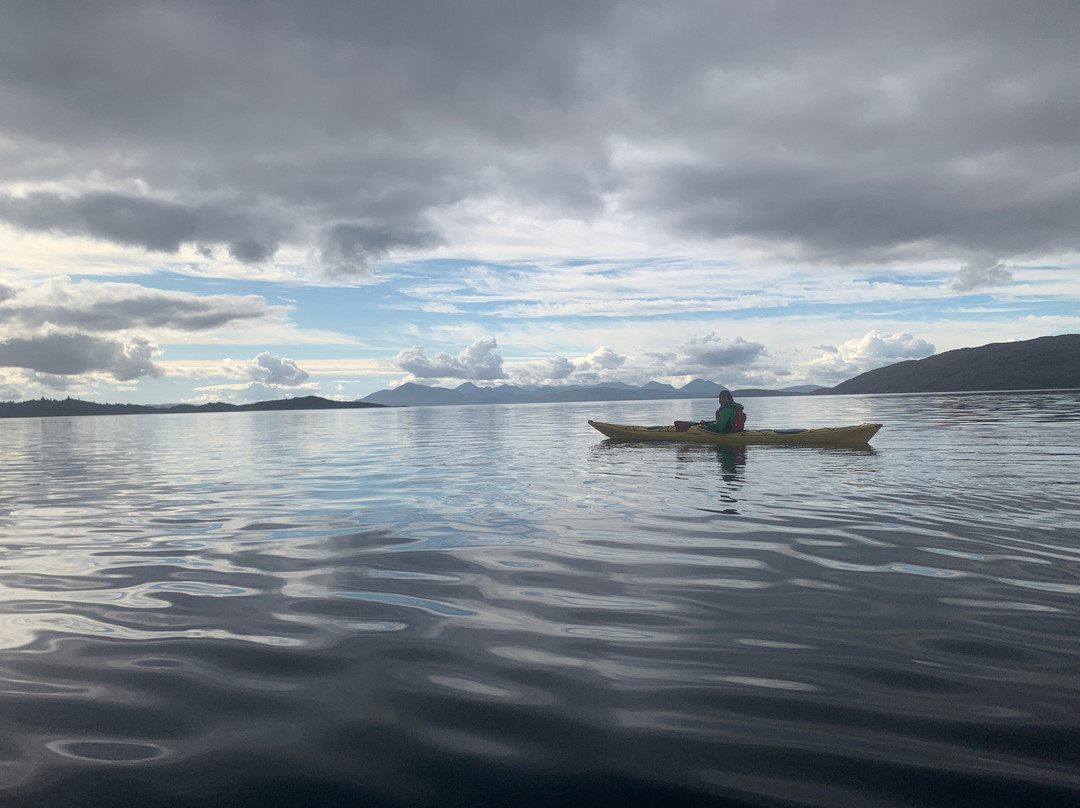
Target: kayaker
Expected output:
[729,417]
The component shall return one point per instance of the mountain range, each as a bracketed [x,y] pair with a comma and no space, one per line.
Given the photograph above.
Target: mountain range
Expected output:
[1036,364]
[417,395]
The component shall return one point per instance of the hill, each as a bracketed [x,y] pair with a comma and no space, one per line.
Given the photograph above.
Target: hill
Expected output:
[45,407]
[1035,364]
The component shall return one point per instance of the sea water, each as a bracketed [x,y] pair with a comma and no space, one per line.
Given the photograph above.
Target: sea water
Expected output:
[498,606]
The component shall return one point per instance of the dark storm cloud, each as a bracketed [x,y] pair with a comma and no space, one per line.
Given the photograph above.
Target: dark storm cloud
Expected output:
[137,221]
[250,250]
[347,249]
[865,130]
[150,224]
[73,354]
[847,131]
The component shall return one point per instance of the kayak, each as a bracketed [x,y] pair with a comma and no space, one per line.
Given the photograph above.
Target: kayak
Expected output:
[843,435]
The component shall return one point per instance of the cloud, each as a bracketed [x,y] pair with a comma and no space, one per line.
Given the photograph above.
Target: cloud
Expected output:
[543,372]
[435,307]
[72,385]
[707,356]
[712,353]
[268,370]
[59,329]
[478,362]
[73,354]
[848,133]
[602,365]
[555,368]
[603,358]
[872,350]
[98,307]
[138,221]
[974,275]
[349,249]
[8,393]
[736,362]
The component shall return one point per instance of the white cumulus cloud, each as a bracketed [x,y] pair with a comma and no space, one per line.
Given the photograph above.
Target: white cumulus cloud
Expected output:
[478,362]
[267,369]
[872,350]
[603,358]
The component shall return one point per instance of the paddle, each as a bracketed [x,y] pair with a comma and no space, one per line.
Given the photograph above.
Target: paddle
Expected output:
[682,426]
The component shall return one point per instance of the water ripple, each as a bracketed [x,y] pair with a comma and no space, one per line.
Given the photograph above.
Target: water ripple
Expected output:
[363,607]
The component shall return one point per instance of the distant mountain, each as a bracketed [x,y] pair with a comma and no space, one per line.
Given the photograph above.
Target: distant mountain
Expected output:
[45,407]
[1035,364]
[601,393]
[755,392]
[416,395]
[699,388]
[502,394]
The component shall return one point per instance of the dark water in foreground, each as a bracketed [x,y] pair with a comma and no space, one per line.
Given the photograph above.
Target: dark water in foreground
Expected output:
[496,606]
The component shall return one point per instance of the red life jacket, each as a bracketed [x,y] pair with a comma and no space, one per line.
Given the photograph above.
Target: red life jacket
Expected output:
[738,423]
[738,420]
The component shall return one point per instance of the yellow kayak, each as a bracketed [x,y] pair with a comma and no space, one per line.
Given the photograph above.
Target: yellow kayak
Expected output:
[842,435]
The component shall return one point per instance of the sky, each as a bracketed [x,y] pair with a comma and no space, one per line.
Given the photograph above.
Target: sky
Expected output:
[245,200]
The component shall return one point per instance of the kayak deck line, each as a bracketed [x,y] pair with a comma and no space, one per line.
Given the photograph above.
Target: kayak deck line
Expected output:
[847,435]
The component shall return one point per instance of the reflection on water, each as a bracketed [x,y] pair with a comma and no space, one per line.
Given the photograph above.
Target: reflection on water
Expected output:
[495,605]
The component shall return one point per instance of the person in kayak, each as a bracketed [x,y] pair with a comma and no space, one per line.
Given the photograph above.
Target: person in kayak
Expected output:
[729,418]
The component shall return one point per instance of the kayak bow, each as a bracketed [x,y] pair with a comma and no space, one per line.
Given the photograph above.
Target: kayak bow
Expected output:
[844,435]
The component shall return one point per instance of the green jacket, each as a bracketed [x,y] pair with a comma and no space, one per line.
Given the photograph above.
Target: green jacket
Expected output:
[723,418]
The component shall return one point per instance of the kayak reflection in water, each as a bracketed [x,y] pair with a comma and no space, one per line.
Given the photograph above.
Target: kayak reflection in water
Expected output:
[732,460]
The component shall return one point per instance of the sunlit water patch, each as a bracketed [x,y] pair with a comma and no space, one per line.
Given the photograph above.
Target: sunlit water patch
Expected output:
[496,605]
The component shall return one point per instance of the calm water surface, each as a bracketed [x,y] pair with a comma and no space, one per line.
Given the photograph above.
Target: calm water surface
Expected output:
[497,606]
